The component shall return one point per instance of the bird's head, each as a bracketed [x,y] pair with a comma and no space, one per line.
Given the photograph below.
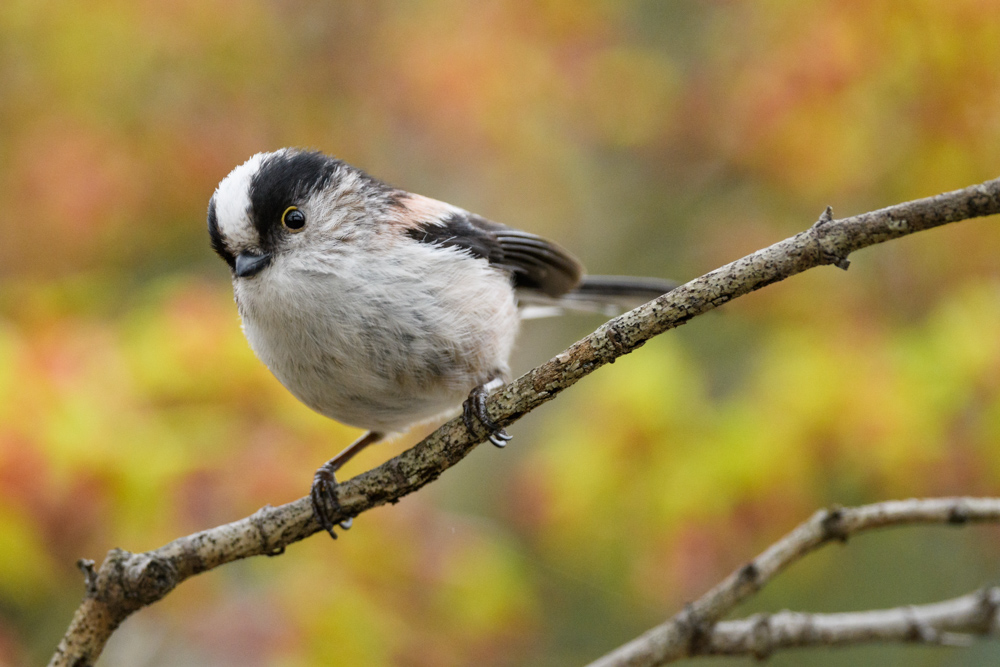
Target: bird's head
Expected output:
[284,203]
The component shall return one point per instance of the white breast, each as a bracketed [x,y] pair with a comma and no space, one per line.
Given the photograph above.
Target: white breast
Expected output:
[381,342]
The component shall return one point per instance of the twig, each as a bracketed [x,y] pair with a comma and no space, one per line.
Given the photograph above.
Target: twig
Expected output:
[948,623]
[695,631]
[126,582]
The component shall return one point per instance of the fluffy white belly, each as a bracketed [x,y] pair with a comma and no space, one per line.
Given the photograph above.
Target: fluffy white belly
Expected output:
[380,347]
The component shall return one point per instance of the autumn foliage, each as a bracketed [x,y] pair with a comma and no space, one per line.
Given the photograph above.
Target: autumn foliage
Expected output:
[650,138]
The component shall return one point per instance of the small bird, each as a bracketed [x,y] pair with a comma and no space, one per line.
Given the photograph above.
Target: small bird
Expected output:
[380,308]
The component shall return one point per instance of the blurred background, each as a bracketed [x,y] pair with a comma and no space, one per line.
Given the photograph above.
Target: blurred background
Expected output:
[650,138]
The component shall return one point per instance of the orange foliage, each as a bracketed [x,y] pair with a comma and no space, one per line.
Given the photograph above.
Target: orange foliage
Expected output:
[651,137]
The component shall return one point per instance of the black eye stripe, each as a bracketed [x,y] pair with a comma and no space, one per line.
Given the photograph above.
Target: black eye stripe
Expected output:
[290,177]
[284,178]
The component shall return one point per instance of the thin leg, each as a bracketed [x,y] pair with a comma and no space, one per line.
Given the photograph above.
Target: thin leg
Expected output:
[475,406]
[323,493]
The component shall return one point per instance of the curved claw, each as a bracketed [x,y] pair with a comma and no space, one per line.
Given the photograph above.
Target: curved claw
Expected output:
[323,496]
[323,493]
[475,406]
[467,417]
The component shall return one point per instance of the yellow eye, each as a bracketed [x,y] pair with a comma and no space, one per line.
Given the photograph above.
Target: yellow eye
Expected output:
[293,219]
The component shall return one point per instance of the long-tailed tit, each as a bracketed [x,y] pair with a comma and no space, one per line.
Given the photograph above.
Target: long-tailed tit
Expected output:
[380,308]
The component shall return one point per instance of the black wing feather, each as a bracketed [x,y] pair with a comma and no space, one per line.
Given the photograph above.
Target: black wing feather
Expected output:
[534,263]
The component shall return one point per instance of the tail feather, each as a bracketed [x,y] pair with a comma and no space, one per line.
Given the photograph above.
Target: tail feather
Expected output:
[607,295]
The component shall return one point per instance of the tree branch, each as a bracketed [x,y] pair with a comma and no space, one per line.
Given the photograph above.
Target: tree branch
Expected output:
[947,623]
[126,582]
[693,631]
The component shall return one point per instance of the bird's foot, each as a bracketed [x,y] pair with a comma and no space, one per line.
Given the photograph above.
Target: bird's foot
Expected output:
[324,497]
[324,488]
[475,406]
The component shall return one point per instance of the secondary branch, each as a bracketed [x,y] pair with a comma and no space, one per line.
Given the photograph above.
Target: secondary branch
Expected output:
[693,631]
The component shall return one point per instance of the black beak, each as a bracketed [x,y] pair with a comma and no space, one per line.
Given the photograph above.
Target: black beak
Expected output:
[248,264]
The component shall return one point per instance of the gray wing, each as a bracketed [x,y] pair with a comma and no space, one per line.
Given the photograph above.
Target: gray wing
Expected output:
[549,280]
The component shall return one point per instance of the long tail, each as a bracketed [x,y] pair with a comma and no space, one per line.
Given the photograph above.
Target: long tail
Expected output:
[607,295]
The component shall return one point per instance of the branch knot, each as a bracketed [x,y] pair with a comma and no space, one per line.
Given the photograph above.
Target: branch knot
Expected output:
[147,578]
[832,525]
[615,338]
[750,575]
[829,253]
[989,605]
[258,519]
[696,630]
[761,637]
[958,514]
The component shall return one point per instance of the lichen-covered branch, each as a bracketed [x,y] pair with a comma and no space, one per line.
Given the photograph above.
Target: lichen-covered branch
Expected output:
[126,582]
[696,630]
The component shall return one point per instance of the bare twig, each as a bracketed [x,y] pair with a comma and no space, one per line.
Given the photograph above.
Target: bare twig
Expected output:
[948,623]
[695,630]
[126,582]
